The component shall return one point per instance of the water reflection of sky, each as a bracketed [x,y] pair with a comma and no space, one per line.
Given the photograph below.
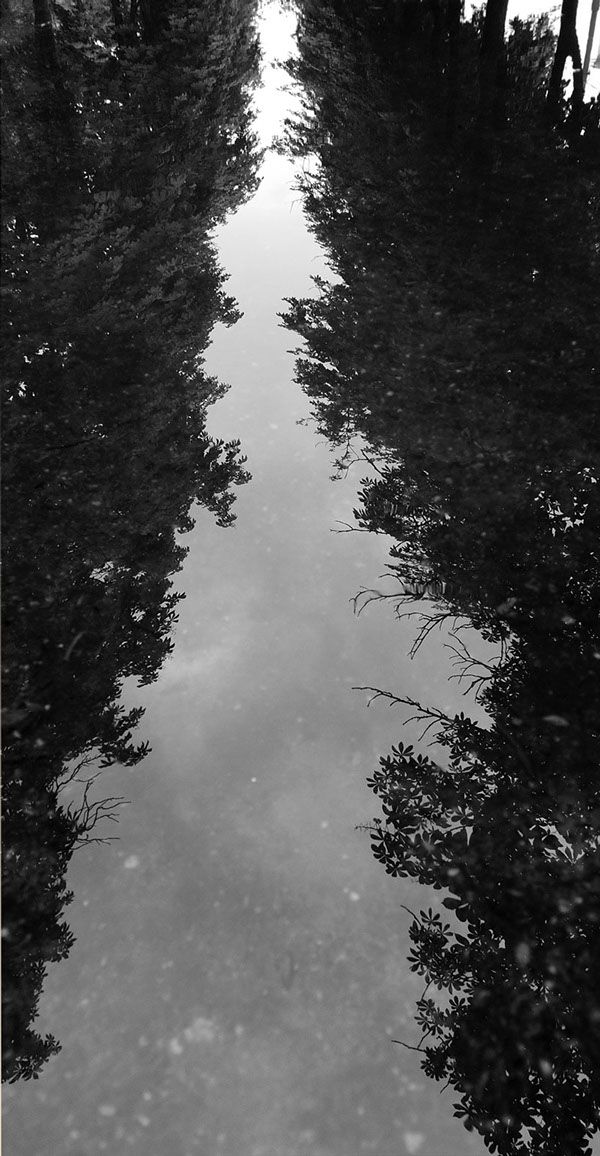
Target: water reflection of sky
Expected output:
[239,969]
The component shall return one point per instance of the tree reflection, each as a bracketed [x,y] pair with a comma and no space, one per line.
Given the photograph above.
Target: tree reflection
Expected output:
[460,343]
[127,138]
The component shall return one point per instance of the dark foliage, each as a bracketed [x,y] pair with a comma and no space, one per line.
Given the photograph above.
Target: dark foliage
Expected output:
[127,137]
[458,350]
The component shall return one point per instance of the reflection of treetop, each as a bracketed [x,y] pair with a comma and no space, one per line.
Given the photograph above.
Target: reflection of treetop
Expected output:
[456,197]
[126,137]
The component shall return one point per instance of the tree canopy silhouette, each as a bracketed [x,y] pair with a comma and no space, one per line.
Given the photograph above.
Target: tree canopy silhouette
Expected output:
[457,350]
[127,137]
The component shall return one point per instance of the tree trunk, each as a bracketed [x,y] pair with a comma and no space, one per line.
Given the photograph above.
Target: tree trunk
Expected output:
[117,14]
[492,67]
[590,41]
[436,29]
[154,20]
[454,15]
[45,44]
[567,46]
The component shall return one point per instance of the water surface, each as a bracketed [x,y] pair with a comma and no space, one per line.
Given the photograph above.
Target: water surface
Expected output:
[239,974]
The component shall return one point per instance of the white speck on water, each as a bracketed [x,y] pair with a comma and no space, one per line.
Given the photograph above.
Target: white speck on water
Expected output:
[556,720]
[522,954]
[353,896]
[147,1096]
[202,1031]
[175,1047]
[413,1141]
[107,1110]
[253,779]
[324,824]
[143,1120]
[131,862]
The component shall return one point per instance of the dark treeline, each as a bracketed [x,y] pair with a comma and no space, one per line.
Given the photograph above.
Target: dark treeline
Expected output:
[459,344]
[126,137]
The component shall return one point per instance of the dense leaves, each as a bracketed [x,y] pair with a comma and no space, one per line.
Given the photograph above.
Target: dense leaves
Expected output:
[127,138]
[457,350]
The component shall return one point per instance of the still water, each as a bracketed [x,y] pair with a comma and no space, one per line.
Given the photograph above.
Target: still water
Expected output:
[239,978]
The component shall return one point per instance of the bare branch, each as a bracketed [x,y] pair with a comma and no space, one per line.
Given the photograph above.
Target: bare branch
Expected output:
[86,813]
[422,712]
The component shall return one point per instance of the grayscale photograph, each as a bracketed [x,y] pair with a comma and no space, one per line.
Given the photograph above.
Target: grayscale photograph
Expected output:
[301,577]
